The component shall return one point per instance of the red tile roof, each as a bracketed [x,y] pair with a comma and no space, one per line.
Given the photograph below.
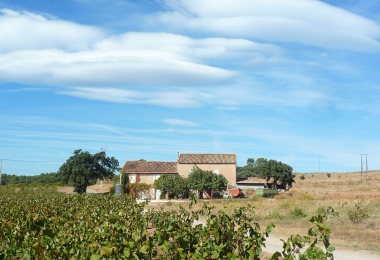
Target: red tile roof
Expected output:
[207,158]
[149,167]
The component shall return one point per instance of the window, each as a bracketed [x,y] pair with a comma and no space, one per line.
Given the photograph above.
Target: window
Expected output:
[132,178]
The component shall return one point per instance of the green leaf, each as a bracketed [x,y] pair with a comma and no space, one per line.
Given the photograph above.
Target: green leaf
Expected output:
[215,256]
[127,252]
[95,257]
[105,250]
[331,248]
[144,249]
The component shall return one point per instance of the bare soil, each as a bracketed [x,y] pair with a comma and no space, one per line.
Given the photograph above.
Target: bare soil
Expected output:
[97,188]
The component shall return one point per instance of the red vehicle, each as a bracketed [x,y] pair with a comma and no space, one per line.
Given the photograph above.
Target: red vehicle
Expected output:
[234,193]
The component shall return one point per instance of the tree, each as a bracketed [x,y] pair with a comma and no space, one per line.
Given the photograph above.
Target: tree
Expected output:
[279,172]
[83,167]
[219,182]
[252,169]
[172,184]
[201,180]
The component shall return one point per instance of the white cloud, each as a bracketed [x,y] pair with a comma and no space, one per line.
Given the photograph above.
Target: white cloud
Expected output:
[179,122]
[53,52]
[186,47]
[173,98]
[303,21]
[111,68]
[29,31]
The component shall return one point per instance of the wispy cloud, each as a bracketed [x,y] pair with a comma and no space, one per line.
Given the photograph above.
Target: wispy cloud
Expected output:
[180,122]
[308,22]
[23,90]
[173,98]
[29,31]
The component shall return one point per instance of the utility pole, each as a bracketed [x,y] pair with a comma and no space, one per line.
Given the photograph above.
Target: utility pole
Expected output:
[361,164]
[1,165]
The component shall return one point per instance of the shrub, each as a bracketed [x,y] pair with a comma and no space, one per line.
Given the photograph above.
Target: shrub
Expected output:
[307,197]
[297,213]
[322,210]
[112,190]
[275,215]
[302,177]
[329,175]
[358,213]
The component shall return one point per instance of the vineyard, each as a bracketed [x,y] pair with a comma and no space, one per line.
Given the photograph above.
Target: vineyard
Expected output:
[36,222]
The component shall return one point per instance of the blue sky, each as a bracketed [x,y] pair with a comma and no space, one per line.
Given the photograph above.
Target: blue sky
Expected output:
[291,80]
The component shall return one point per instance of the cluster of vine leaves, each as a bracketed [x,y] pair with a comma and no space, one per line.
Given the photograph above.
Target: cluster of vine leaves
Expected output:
[50,225]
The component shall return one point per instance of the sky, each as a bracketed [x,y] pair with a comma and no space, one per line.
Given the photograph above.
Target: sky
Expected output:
[296,81]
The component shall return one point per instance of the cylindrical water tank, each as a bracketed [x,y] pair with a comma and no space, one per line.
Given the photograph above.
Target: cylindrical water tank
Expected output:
[118,189]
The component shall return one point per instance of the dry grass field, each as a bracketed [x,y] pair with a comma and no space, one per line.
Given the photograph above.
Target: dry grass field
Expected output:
[345,192]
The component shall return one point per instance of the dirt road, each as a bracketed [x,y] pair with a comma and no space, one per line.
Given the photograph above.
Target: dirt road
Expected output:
[274,244]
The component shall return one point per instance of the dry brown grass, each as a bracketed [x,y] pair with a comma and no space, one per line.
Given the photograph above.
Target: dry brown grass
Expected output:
[100,189]
[341,191]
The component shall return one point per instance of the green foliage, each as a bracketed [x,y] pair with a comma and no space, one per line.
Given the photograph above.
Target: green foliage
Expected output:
[52,177]
[124,178]
[252,169]
[278,172]
[112,189]
[322,210]
[124,182]
[297,213]
[329,175]
[83,167]
[137,189]
[302,177]
[200,180]
[358,213]
[275,215]
[52,225]
[172,184]
[321,233]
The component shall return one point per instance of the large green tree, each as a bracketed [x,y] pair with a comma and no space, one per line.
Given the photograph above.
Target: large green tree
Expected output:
[252,169]
[172,184]
[278,172]
[200,180]
[83,167]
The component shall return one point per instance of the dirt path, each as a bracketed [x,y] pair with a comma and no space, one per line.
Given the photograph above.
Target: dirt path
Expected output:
[274,244]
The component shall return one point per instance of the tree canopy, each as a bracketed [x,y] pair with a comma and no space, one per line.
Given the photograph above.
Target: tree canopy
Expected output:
[52,177]
[200,180]
[83,167]
[252,169]
[278,172]
[172,184]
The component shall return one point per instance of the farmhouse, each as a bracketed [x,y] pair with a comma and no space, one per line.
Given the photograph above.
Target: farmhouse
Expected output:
[224,164]
[149,171]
